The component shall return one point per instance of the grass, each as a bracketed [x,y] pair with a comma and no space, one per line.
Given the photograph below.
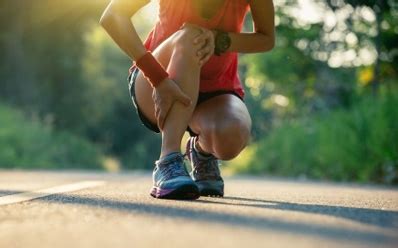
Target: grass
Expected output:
[26,143]
[356,144]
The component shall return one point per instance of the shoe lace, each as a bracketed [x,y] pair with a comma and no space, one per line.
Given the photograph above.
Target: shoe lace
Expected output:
[174,168]
[204,167]
[208,167]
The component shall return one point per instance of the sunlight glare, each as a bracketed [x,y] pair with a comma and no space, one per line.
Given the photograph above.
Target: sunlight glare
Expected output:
[309,11]
[150,11]
[280,100]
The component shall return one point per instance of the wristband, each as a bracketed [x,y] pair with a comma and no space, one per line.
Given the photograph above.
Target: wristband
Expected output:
[152,70]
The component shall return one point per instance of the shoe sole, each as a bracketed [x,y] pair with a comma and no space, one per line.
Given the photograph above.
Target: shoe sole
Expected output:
[211,193]
[211,189]
[184,192]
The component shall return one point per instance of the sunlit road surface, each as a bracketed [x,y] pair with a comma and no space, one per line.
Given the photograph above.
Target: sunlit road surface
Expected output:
[82,209]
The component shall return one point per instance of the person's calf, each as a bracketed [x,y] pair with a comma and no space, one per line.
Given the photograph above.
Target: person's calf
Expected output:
[225,140]
[184,69]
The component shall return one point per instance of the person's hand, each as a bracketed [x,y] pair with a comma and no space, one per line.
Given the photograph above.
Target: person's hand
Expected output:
[205,41]
[164,96]
[206,38]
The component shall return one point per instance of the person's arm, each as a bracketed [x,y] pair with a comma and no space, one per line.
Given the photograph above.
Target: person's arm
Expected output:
[116,21]
[263,37]
[261,40]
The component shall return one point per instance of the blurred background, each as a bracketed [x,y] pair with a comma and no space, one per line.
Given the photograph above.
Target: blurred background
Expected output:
[324,101]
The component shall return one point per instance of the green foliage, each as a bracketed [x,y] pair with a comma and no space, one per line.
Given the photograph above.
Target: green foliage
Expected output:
[357,144]
[28,143]
[110,117]
[61,65]
[41,46]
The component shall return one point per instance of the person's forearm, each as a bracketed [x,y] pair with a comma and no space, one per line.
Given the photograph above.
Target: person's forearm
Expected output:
[122,31]
[250,42]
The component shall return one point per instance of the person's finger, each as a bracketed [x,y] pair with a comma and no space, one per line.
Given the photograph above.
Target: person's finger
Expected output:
[162,116]
[157,112]
[208,34]
[204,30]
[200,39]
[207,54]
[204,51]
[160,120]
[204,36]
[183,98]
[208,46]
[157,115]
[205,59]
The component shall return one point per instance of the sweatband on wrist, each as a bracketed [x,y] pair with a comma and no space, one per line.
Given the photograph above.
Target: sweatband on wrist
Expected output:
[152,69]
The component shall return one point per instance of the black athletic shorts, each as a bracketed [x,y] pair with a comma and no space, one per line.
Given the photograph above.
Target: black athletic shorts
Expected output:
[203,96]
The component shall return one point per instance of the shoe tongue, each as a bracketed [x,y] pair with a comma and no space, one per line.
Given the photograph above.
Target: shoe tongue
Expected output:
[166,159]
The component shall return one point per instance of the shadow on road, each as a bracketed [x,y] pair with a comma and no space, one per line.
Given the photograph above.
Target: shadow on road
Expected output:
[8,192]
[380,218]
[253,222]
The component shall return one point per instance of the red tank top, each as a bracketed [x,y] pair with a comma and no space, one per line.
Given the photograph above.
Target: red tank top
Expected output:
[220,72]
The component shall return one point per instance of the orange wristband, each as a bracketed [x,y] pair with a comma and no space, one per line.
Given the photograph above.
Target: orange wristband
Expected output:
[152,70]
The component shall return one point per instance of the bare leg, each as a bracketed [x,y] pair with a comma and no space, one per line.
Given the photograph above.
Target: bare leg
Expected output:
[177,54]
[223,124]
[178,117]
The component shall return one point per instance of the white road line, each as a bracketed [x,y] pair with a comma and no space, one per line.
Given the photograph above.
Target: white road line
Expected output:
[27,196]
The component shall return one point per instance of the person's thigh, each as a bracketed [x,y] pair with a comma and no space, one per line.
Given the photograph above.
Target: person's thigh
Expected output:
[221,117]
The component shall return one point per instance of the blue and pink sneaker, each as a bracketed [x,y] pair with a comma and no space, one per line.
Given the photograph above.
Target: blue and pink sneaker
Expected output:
[171,179]
[205,171]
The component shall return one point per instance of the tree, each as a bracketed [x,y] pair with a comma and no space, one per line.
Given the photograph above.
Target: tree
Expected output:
[384,39]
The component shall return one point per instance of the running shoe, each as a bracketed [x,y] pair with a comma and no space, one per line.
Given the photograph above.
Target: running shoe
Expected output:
[205,171]
[171,179]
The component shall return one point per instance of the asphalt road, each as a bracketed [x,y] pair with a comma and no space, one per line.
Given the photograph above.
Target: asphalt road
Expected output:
[81,209]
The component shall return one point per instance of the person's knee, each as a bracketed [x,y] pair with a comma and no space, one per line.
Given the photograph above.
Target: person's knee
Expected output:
[230,137]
